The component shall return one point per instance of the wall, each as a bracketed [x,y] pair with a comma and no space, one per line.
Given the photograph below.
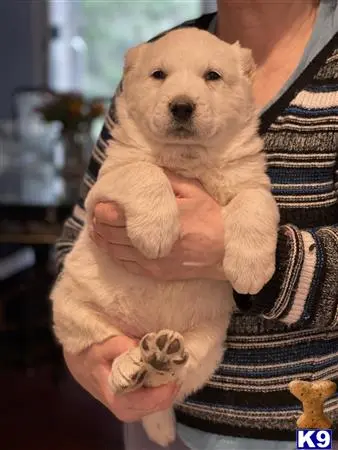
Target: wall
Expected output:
[22,47]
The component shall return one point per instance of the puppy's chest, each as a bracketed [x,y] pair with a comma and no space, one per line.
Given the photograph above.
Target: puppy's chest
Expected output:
[186,163]
[189,165]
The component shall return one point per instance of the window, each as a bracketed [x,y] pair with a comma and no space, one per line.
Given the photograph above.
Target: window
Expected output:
[91,37]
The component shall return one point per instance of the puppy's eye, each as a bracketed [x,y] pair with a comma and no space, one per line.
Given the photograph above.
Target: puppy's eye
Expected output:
[212,75]
[159,75]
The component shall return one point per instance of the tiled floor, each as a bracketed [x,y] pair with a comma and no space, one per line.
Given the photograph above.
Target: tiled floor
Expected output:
[35,414]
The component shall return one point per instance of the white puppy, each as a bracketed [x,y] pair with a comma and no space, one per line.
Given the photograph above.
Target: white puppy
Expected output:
[186,105]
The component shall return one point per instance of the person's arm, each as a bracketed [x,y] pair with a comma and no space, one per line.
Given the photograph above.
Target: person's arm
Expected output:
[304,287]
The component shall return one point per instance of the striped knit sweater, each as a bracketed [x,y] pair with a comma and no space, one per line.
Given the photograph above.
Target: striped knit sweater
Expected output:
[290,329]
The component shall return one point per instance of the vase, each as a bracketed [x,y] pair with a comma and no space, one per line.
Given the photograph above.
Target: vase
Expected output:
[77,146]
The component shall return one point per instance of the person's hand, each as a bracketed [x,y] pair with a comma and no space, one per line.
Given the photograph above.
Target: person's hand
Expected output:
[91,370]
[197,254]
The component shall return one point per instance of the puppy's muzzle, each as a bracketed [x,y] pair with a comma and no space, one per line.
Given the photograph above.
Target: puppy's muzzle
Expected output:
[182,109]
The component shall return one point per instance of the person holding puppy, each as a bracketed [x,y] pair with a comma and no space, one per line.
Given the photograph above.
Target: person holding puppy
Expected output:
[290,328]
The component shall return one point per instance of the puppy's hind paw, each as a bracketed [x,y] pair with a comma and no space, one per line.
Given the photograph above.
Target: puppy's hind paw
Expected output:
[128,372]
[164,352]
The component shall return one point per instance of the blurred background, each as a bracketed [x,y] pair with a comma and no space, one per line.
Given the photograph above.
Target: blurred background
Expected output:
[61,61]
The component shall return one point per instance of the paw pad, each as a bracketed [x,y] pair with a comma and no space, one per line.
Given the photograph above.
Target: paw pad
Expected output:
[163,351]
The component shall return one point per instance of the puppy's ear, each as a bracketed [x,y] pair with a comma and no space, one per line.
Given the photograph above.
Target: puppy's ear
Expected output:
[247,63]
[132,56]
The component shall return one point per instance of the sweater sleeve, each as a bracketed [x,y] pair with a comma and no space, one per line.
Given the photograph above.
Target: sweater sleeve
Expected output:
[304,287]
[74,224]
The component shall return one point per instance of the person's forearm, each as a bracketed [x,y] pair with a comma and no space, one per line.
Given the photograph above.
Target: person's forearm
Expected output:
[305,284]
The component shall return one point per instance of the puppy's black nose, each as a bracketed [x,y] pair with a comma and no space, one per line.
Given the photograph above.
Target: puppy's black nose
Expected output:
[182,109]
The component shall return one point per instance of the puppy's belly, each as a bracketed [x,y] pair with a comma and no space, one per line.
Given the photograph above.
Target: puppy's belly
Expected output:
[137,305]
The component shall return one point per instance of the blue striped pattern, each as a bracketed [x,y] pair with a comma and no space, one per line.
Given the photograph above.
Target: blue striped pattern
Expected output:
[312,112]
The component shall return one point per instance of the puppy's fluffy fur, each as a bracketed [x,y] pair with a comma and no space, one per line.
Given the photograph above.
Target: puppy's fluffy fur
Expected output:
[95,299]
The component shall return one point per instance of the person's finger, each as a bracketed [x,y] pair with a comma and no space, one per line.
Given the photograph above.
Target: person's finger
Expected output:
[109,213]
[183,187]
[134,405]
[148,399]
[117,252]
[112,234]
[103,244]
[144,401]
[134,262]
[114,347]
[134,268]
[127,407]
[78,370]
[130,266]
[99,241]
[128,253]
[104,354]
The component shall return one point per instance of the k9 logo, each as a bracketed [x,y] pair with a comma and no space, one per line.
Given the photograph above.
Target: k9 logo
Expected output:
[307,439]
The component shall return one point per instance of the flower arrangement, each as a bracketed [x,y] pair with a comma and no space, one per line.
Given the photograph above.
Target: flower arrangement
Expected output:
[72,110]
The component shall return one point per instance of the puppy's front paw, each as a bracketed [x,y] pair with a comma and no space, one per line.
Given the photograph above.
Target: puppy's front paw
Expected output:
[250,238]
[154,235]
[248,267]
[160,427]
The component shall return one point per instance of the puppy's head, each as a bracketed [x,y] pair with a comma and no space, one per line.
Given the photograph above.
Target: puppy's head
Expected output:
[188,87]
